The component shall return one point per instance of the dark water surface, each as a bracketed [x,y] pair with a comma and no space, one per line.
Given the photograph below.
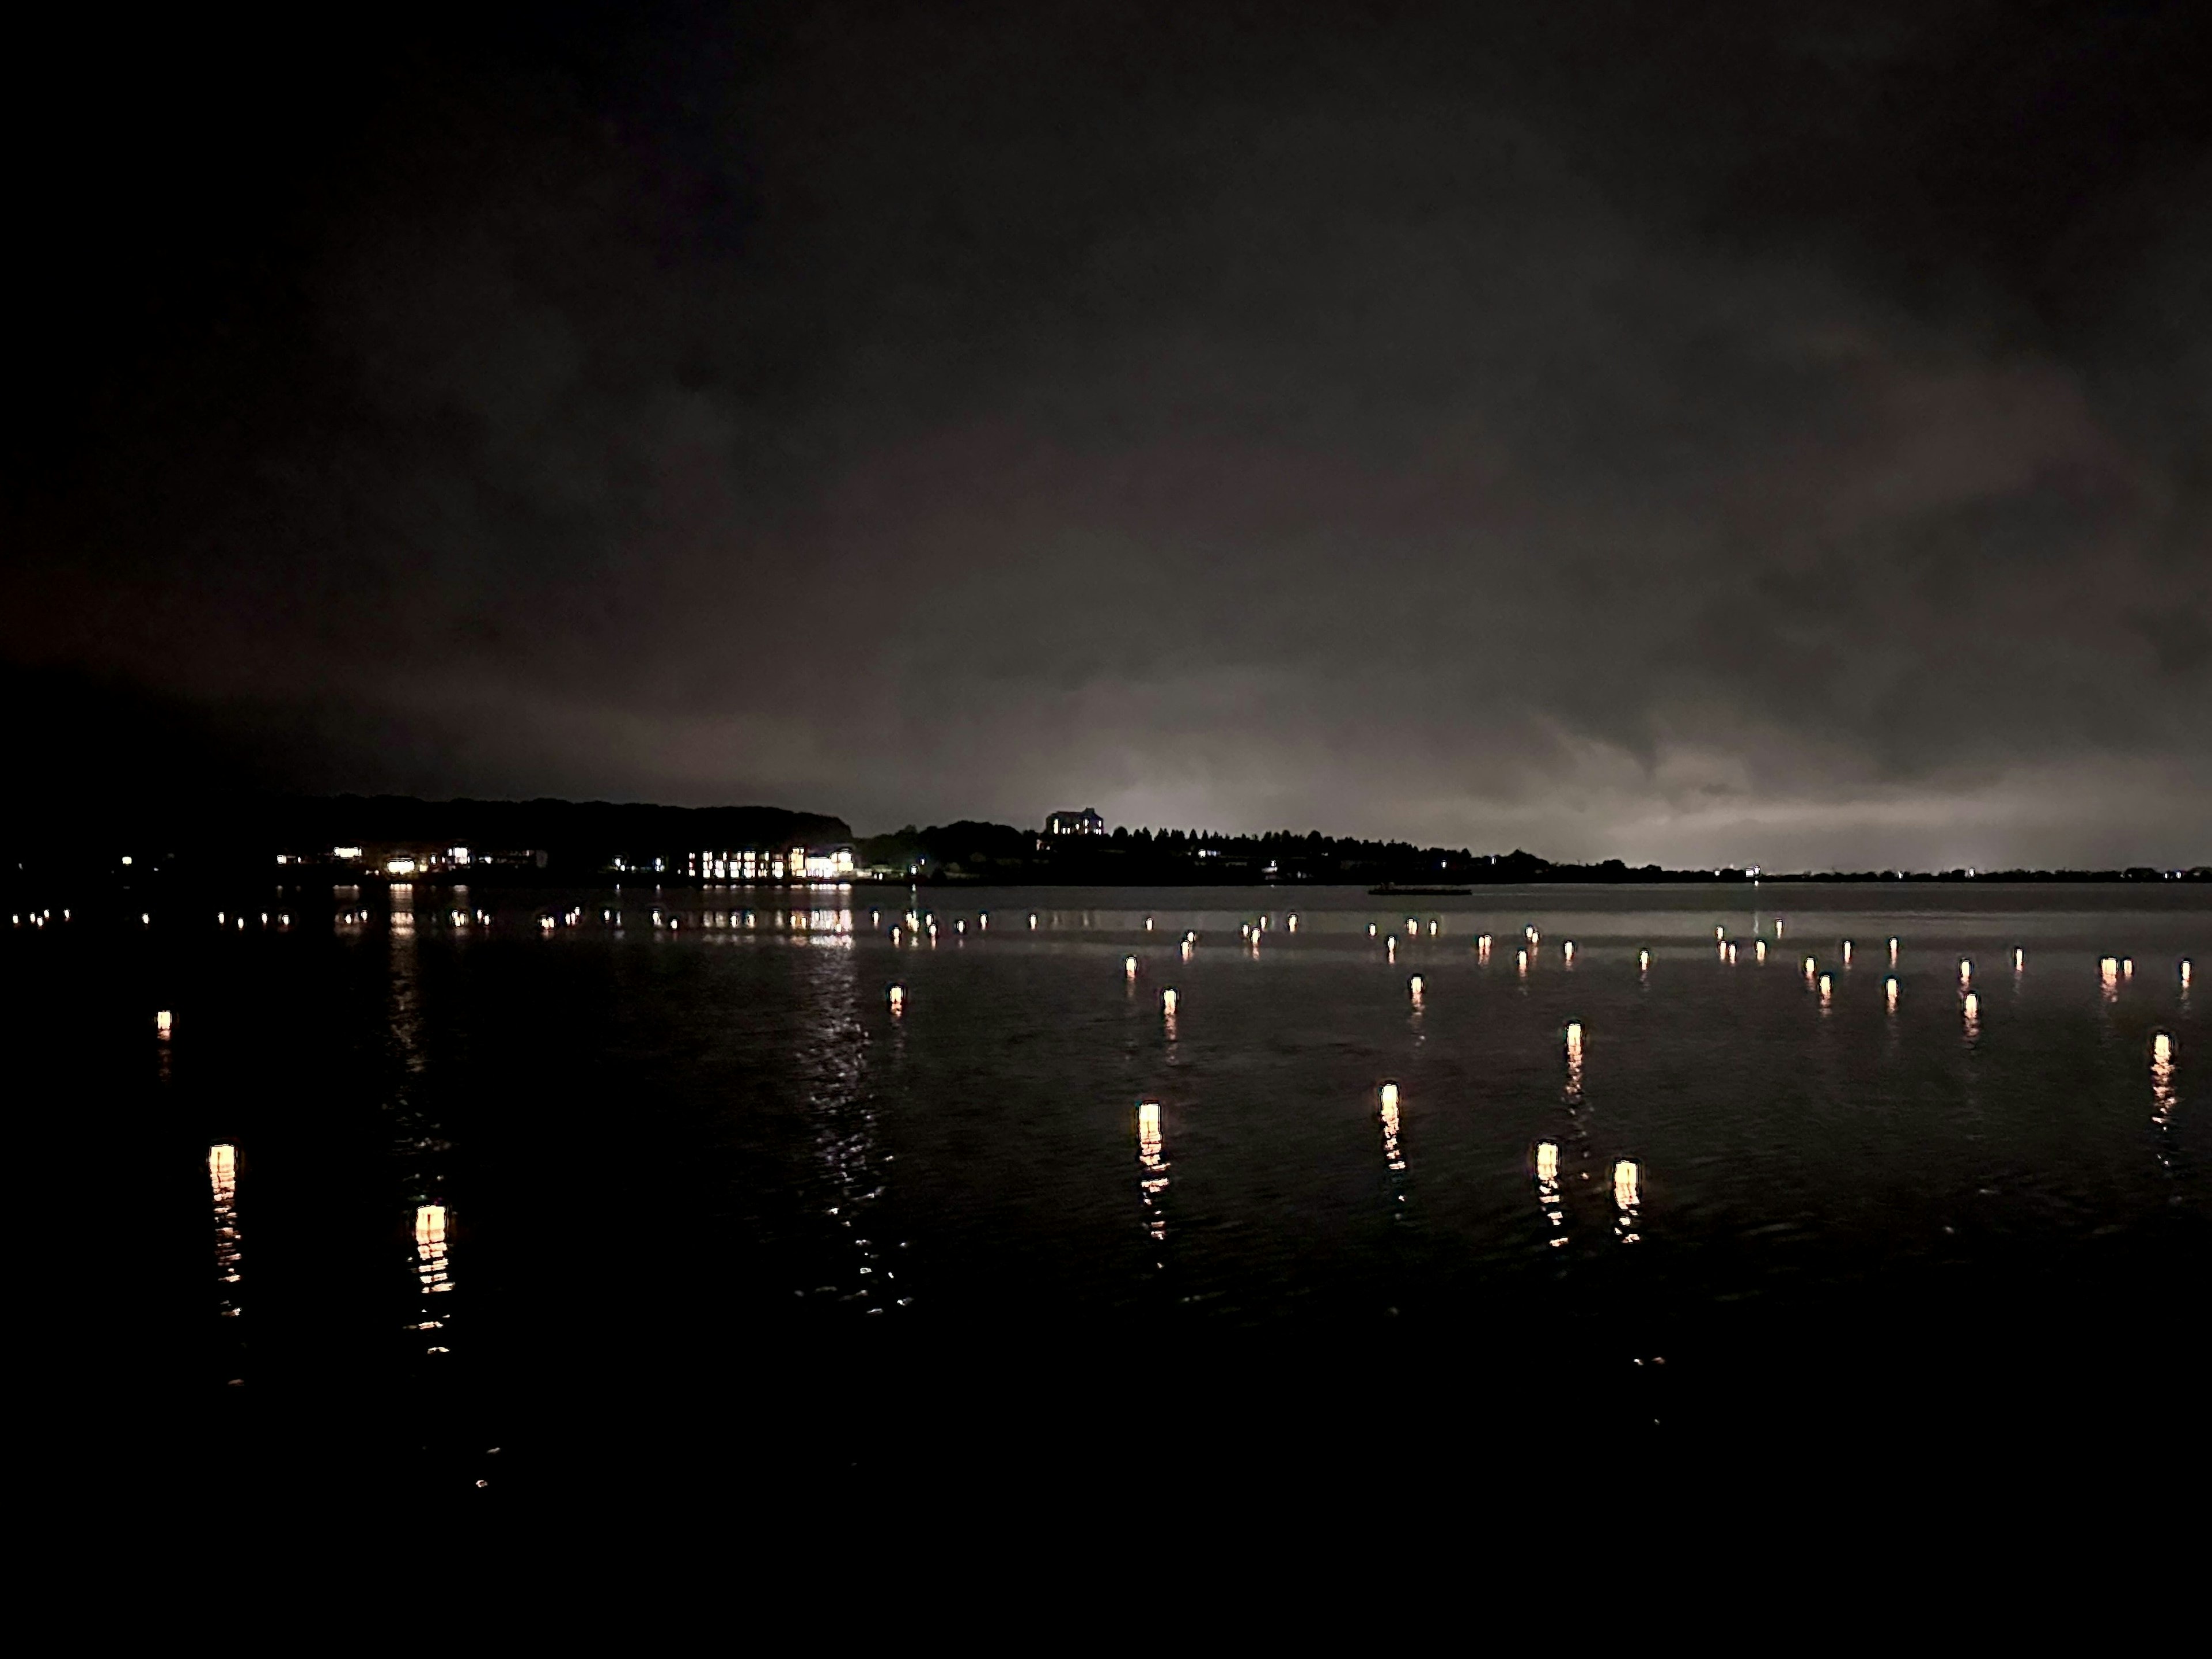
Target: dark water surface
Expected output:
[657,1206]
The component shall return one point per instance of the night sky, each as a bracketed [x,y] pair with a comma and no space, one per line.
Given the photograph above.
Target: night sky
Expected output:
[1676,432]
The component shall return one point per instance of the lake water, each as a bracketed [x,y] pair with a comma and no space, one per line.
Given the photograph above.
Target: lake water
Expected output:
[671,1191]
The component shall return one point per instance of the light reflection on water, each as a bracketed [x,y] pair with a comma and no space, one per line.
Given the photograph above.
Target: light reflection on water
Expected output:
[1746,1147]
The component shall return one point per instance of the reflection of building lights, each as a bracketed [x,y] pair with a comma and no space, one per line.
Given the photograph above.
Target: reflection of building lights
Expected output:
[401,866]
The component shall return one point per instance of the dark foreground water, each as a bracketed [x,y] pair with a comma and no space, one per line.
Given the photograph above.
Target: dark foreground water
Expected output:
[669,1197]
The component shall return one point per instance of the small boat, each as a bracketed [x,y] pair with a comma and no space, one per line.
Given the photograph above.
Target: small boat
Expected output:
[1390,889]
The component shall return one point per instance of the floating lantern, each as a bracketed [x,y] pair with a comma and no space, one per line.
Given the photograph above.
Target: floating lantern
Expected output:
[1032,924]
[2184,973]
[1389,1095]
[898,999]
[1758,950]
[163,1022]
[1731,956]
[895,936]
[1129,966]
[1293,922]
[1847,953]
[1167,1002]
[1778,928]
[1720,933]
[1547,1161]
[960,926]
[1148,1125]
[1893,953]
[1148,924]
[1889,993]
[1643,962]
[1391,947]
[1521,961]
[2161,1050]
[2127,967]
[1626,1188]
[1809,967]
[1567,952]
[1413,986]
[1966,971]
[1575,1041]
[2018,959]
[1827,987]
[1973,1007]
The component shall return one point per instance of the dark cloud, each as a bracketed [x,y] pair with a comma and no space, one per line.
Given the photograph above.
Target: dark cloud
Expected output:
[1675,432]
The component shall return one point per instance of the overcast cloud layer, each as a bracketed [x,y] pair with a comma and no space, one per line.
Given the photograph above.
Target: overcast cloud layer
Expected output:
[1775,433]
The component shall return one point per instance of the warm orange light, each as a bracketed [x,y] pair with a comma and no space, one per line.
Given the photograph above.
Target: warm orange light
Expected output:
[162,1022]
[1548,1160]
[1626,1186]
[1389,1096]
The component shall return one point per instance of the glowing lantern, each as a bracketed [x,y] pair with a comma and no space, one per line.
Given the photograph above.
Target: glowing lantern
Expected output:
[898,999]
[162,1022]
